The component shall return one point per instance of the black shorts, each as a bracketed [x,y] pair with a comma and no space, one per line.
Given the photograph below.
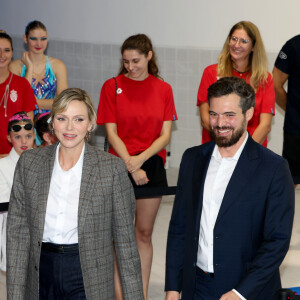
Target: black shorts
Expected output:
[156,173]
[291,152]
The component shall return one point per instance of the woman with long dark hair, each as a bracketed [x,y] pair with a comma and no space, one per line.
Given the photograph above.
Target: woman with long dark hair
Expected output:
[47,75]
[137,109]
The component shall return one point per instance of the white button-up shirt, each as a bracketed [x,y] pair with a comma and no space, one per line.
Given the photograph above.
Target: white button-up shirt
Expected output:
[218,175]
[61,221]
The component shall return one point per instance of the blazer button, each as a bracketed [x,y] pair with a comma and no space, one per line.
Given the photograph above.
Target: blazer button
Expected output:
[35,267]
[39,244]
[194,264]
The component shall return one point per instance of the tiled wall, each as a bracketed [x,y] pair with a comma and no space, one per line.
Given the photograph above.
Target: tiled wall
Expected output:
[89,65]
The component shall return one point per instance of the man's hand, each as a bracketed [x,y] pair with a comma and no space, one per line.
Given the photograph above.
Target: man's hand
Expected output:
[172,295]
[230,296]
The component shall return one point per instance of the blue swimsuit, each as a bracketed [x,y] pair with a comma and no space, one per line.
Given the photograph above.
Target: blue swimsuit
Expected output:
[46,90]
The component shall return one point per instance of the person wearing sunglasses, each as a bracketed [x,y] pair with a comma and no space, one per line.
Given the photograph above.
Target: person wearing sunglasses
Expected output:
[244,56]
[21,136]
[15,93]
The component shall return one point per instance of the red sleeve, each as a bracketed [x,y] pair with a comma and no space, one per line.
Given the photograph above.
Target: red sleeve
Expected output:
[107,103]
[29,102]
[268,97]
[170,111]
[208,78]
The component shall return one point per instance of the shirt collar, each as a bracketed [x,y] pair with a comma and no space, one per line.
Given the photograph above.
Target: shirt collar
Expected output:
[75,170]
[14,155]
[217,156]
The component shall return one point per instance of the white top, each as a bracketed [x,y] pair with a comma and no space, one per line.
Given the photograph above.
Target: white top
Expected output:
[61,221]
[7,170]
[218,175]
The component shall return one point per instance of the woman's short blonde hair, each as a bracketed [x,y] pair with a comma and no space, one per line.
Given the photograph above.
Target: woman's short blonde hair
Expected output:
[62,101]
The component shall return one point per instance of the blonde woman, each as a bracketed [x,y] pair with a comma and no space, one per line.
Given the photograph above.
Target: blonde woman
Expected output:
[69,202]
[244,56]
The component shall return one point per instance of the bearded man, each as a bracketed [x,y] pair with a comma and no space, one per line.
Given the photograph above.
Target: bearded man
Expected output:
[233,212]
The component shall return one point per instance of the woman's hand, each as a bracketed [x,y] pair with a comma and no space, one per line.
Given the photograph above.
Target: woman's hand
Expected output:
[140,177]
[26,60]
[135,162]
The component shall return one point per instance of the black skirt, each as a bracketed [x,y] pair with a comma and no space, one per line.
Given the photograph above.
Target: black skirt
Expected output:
[156,173]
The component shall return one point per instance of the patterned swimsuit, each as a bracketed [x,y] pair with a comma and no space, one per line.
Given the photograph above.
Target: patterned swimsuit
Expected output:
[45,90]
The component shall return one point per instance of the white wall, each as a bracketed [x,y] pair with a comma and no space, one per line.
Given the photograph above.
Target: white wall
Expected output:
[190,23]
[188,36]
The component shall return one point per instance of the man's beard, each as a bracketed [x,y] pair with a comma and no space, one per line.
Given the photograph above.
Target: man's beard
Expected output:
[224,141]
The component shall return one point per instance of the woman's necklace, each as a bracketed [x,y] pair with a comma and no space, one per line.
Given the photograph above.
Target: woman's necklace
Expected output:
[241,73]
[5,95]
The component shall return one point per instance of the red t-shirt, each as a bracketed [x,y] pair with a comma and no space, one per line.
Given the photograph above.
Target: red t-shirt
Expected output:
[264,98]
[139,110]
[20,98]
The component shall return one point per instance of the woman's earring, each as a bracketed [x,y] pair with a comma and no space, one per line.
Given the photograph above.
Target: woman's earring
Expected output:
[88,135]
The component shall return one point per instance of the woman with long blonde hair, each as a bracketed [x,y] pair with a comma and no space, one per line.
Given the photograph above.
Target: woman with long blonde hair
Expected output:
[244,56]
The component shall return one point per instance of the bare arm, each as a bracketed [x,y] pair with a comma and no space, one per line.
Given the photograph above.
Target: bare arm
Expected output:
[279,79]
[115,141]
[139,176]
[60,72]
[264,127]
[16,67]
[30,114]
[204,115]
[135,162]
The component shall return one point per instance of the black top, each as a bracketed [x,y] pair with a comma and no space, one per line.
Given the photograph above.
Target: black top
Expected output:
[288,61]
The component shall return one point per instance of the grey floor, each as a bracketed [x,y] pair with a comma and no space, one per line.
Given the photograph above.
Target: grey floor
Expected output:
[290,268]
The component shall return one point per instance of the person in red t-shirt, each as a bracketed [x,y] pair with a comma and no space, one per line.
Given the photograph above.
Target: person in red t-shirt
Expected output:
[243,56]
[137,109]
[15,93]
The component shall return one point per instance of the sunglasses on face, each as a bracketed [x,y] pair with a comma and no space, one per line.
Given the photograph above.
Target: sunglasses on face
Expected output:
[17,128]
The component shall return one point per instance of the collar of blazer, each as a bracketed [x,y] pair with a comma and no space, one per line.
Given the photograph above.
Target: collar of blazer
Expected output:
[88,182]
[244,170]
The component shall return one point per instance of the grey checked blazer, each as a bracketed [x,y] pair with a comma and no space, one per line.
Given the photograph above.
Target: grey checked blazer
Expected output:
[105,213]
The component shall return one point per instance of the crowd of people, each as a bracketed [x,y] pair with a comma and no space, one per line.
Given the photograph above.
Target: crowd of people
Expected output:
[75,230]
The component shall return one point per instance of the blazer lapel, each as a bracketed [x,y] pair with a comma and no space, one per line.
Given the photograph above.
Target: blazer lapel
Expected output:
[44,184]
[88,182]
[199,175]
[244,170]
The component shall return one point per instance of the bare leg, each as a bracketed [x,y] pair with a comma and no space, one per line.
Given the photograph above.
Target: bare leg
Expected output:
[146,211]
[117,281]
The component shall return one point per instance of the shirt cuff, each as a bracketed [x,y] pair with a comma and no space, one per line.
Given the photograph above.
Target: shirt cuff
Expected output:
[235,291]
